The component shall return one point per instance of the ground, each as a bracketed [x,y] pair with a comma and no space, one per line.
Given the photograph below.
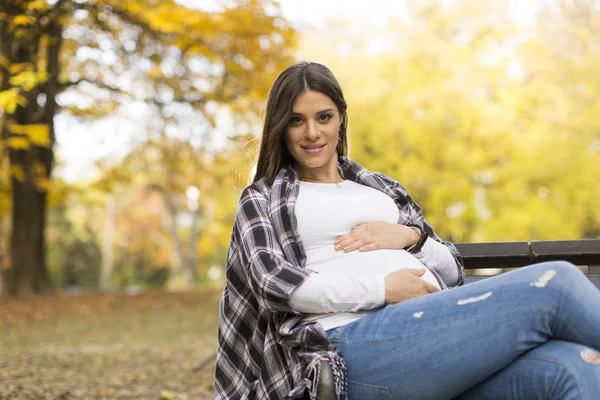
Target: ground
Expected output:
[108,346]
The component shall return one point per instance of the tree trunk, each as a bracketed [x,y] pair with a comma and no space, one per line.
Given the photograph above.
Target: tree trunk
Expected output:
[180,277]
[28,264]
[28,274]
[192,263]
[3,254]
[108,236]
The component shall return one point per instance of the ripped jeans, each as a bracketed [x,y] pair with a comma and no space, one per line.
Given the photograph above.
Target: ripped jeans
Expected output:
[532,333]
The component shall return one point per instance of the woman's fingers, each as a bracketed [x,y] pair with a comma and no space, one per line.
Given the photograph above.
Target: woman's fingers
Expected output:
[417,271]
[430,288]
[406,284]
[375,235]
[375,245]
[358,236]
[353,243]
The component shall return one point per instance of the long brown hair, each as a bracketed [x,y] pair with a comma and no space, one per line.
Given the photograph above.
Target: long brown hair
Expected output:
[273,154]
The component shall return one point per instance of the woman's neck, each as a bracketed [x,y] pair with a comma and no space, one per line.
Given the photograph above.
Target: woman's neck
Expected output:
[316,175]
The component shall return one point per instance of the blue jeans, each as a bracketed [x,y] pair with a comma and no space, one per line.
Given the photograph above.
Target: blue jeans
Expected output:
[533,333]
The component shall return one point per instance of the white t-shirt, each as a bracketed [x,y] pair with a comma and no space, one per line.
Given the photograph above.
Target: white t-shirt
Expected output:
[348,285]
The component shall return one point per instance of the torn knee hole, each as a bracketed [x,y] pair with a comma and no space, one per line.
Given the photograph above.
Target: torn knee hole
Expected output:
[543,280]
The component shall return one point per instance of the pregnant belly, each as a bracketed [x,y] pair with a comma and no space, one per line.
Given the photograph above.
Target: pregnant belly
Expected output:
[377,262]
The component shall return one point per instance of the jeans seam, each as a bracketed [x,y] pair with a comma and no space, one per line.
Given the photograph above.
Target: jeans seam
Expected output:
[580,340]
[558,317]
[387,389]
[558,310]
[338,333]
[341,342]
[567,367]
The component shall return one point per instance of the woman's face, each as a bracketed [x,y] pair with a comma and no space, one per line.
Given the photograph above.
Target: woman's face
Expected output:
[312,133]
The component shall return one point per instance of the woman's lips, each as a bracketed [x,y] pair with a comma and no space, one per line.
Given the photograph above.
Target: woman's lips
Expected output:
[313,149]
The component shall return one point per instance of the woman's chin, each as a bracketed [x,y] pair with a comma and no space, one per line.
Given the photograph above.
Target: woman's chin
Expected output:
[314,161]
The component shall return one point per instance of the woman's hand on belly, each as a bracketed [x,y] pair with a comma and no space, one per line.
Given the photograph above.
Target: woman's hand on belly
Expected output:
[376,235]
[406,284]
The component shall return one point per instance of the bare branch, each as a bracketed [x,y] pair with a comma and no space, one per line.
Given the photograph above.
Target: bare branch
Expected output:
[54,9]
[206,361]
[124,15]
[100,85]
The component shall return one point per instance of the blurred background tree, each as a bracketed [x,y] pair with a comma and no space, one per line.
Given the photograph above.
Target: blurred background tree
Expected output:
[489,123]
[108,53]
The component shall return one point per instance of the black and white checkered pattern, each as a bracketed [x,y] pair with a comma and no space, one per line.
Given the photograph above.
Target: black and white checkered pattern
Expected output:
[262,351]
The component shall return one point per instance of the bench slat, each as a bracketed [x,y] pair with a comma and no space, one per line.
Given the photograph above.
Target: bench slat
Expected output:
[518,254]
[494,254]
[579,252]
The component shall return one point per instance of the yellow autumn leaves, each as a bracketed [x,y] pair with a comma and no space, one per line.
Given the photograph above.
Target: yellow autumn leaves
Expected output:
[22,138]
[23,79]
[10,99]
[28,79]
[25,20]
[38,5]
[26,135]
[40,175]
[21,20]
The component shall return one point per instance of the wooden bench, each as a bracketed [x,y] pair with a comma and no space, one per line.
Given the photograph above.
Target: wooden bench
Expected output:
[505,255]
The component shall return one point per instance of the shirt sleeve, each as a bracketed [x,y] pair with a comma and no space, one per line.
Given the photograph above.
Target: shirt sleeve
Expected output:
[329,293]
[269,275]
[435,255]
[414,212]
[456,263]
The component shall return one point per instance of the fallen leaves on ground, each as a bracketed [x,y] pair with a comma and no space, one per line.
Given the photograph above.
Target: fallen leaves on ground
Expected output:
[108,346]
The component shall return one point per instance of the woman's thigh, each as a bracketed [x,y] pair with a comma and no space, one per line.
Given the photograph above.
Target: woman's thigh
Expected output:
[438,346]
[555,370]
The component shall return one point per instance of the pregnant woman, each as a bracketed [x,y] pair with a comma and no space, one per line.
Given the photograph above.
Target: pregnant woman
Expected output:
[331,263]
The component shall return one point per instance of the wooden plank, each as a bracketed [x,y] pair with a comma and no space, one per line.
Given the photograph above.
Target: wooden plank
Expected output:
[566,247]
[493,249]
[518,254]
[578,252]
[494,254]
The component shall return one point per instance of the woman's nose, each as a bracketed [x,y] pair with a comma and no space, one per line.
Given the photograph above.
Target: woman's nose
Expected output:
[311,129]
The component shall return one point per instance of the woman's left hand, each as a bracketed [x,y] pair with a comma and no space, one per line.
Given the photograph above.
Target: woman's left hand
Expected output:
[376,235]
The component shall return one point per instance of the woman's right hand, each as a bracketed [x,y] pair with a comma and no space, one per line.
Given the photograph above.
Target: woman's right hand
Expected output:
[406,284]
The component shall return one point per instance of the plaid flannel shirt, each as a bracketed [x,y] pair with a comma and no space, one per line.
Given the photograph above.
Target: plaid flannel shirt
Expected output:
[262,350]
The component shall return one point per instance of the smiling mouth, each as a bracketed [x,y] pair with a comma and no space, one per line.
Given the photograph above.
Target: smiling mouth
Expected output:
[313,149]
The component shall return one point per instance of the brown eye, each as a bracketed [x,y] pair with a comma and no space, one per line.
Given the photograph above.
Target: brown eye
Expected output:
[295,120]
[325,117]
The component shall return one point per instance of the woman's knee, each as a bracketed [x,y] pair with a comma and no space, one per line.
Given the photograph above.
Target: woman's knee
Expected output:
[554,370]
[553,379]
[565,267]
[570,370]
[562,272]
[562,266]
